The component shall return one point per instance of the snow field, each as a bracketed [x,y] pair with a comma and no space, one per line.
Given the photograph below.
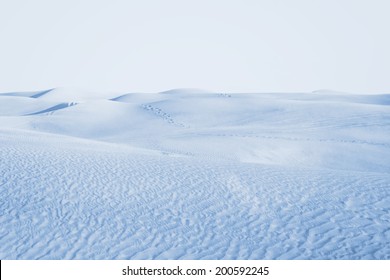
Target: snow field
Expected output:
[189,174]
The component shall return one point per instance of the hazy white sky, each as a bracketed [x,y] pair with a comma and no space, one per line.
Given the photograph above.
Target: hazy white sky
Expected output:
[222,45]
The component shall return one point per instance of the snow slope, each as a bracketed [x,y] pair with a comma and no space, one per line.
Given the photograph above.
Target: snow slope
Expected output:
[193,174]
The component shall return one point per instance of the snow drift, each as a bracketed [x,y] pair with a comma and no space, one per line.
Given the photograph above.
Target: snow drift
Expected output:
[194,174]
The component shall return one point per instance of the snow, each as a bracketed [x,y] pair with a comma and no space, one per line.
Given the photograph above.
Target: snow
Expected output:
[194,174]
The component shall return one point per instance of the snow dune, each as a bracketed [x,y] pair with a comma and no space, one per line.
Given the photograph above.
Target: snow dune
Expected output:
[194,174]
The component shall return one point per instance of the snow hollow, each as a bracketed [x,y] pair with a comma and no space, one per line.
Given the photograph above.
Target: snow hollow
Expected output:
[193,174]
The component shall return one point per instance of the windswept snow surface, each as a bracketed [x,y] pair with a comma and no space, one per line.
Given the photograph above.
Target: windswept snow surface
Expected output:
[192,174]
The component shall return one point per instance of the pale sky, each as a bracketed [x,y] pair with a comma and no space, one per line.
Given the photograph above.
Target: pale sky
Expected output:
[220,45]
